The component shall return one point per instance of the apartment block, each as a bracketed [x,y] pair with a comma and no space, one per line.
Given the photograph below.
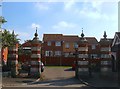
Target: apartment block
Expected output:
[59,49]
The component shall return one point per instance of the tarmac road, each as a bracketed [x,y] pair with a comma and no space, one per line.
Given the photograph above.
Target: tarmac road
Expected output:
[51,77]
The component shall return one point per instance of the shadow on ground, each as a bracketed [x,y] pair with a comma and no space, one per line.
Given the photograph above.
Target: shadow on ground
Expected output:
[70,69]
[59,82]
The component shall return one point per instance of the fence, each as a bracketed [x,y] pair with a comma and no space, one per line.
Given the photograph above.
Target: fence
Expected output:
[86,67]
[61,61]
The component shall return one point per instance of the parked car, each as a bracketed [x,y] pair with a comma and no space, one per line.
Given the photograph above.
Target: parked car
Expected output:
[27,67]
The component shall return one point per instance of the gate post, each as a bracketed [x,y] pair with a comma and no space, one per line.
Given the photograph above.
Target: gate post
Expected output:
[118,65]
[35,69]
[13,59]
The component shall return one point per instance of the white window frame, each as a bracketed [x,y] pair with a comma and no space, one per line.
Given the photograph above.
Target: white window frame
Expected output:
[75,45]
[67,45]
[57,53]
[83,49]
[48,53]
[83,55]
[49,43]
[57,43]
[66,54]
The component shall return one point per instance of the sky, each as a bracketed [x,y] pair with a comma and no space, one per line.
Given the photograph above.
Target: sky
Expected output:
[66,18]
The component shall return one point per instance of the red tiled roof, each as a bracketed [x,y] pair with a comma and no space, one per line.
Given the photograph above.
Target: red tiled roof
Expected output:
[91,40]
[52,37]
[107,41]
[26,44]
[70,38]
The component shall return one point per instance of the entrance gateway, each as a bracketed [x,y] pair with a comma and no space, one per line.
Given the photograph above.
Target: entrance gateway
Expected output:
[35,60]
[35,69]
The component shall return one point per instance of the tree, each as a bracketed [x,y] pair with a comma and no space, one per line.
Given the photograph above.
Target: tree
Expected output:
[9,39]
[2,20]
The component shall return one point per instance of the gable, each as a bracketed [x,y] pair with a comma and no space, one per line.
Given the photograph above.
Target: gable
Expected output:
[116,40]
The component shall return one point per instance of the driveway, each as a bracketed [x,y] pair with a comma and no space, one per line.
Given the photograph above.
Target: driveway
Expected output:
[58,77]
[52,73]
[51,77]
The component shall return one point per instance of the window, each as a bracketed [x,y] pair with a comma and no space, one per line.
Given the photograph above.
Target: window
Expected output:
[67,45]
[83,55]
[48,53]
[66,54]
[83,49]
[49,43]
[58,43]
[75,45]
[57,53]
[93,55]
[93,47]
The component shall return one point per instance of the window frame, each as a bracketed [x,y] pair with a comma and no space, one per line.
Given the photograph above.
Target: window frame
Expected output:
[49,43]
[58,43]
[67,45]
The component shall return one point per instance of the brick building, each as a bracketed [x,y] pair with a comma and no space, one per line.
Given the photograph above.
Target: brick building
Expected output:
[52,49]
[116,51]
[59,49]
[69,45]
[25,52]
[93,47]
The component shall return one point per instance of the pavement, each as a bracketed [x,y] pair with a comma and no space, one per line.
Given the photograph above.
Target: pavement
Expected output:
[100,81]
[61,77]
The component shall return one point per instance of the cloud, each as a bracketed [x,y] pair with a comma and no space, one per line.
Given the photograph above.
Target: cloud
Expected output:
[34,25]
[68,5]
[66,28]
[97,10]
[42,6]
[64,25]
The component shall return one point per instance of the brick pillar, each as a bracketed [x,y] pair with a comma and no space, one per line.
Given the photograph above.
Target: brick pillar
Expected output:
[35,69]
[83,66]
[13,60]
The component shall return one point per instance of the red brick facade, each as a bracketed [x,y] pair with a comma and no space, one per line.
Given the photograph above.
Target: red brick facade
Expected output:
[53,48]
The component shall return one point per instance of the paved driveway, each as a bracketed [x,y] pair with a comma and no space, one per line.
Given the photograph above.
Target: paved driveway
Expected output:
[52,77]
[58,77]
[52,73]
